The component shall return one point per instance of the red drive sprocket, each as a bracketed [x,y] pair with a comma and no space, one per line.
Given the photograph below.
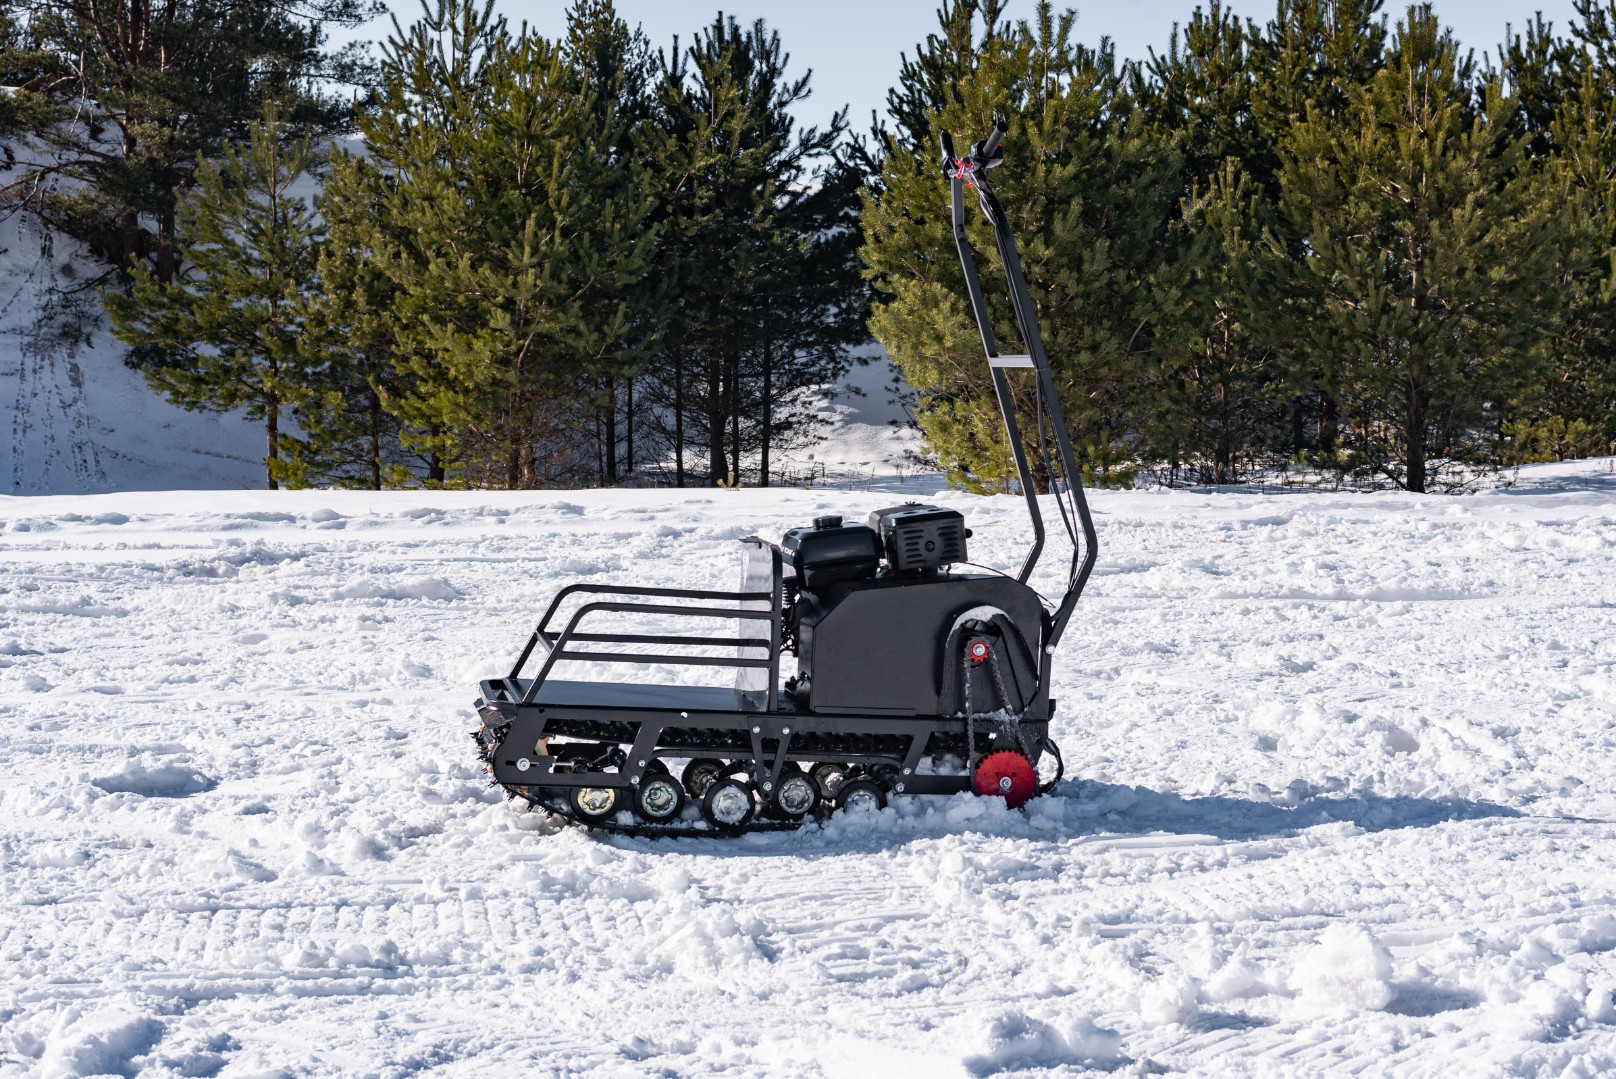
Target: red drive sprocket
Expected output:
[1007,774]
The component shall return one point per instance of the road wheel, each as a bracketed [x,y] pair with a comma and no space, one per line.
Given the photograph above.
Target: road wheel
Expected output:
[728,805]
[861,796]
[595,805]
[795,796]
[829,776]
[700,773]
[660,798]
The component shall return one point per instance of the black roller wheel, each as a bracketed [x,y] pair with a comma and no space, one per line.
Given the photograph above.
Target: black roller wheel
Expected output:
[829,776]
[700,773]
[657,765]
[795,796]
[728,805]
[659,799]
[595,805]
[861,795]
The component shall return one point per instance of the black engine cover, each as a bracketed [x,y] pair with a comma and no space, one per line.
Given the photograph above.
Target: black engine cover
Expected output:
[878,646]
[919,538]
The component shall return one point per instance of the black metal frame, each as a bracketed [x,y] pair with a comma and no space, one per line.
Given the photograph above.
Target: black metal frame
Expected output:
[972,171]
[555,644]
[758,729]
[768,740]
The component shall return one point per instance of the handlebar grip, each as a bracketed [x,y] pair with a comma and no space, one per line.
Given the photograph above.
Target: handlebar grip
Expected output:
[990,144]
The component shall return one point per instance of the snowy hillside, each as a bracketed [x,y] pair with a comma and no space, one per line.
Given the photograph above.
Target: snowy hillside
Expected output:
[73,418]
[1342,771]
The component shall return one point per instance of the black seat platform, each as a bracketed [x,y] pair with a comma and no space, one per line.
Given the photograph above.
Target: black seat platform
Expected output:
[558,692]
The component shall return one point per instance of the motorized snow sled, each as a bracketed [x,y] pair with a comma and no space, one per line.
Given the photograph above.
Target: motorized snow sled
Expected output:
[912,676]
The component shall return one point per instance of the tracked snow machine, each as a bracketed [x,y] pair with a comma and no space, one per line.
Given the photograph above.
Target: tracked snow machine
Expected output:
[911,677]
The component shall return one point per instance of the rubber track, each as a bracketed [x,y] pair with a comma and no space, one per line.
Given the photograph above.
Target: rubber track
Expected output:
[644,830]
[658,831]
[641,830]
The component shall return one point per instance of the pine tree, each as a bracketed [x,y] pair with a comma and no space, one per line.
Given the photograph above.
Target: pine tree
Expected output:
[1313,57]
[613,64]
[1571,410]
[945,60]
[1536,67]
[1217,369]
[1201,91]
[233,319]
[814,309]
[351,438]
[1089,189]
[124,102]
[1433,255]
[1223,394]
[755,241]
[508,243]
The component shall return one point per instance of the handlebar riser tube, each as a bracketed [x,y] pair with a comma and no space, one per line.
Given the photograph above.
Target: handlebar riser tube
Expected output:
[973,170]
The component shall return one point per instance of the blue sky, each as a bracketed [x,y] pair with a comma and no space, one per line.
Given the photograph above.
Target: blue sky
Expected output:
[853,45]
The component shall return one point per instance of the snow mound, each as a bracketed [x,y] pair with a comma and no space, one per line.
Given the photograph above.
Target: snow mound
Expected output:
[1349,969]
[1014,1041]
[98,1043]
[155,780]
[404,588]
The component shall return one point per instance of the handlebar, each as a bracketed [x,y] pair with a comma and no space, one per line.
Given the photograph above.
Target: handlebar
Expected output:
[988,152]
[981,157]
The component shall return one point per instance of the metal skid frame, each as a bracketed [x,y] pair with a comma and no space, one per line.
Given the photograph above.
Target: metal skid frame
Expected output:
[753,725]
[768,736]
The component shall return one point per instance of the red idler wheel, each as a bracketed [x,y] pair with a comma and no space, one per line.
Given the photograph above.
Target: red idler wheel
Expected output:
[1009,775]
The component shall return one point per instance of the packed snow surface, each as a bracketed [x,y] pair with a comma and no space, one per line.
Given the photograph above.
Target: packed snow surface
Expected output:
[1339,800]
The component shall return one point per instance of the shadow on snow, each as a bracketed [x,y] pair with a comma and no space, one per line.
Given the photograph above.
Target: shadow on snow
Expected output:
[1117,808]
[1086,808]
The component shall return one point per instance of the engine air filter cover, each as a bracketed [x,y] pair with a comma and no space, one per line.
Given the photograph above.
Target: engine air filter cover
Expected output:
[918,537]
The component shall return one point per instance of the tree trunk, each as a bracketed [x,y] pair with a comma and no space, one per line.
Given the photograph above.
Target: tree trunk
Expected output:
[129,239]
[375,441]
[272,437]
[715,420]
[735,414]
[679,416]
[768,410]
[600,445]
[611,431]
[628,426]
[167,264]
[1415,435]
[1223,453]
[1329,416]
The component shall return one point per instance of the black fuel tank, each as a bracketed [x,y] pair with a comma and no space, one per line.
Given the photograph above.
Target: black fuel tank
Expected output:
[831,551]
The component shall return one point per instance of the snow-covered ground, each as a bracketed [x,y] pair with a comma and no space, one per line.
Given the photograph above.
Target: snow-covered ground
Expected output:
[1342,779]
